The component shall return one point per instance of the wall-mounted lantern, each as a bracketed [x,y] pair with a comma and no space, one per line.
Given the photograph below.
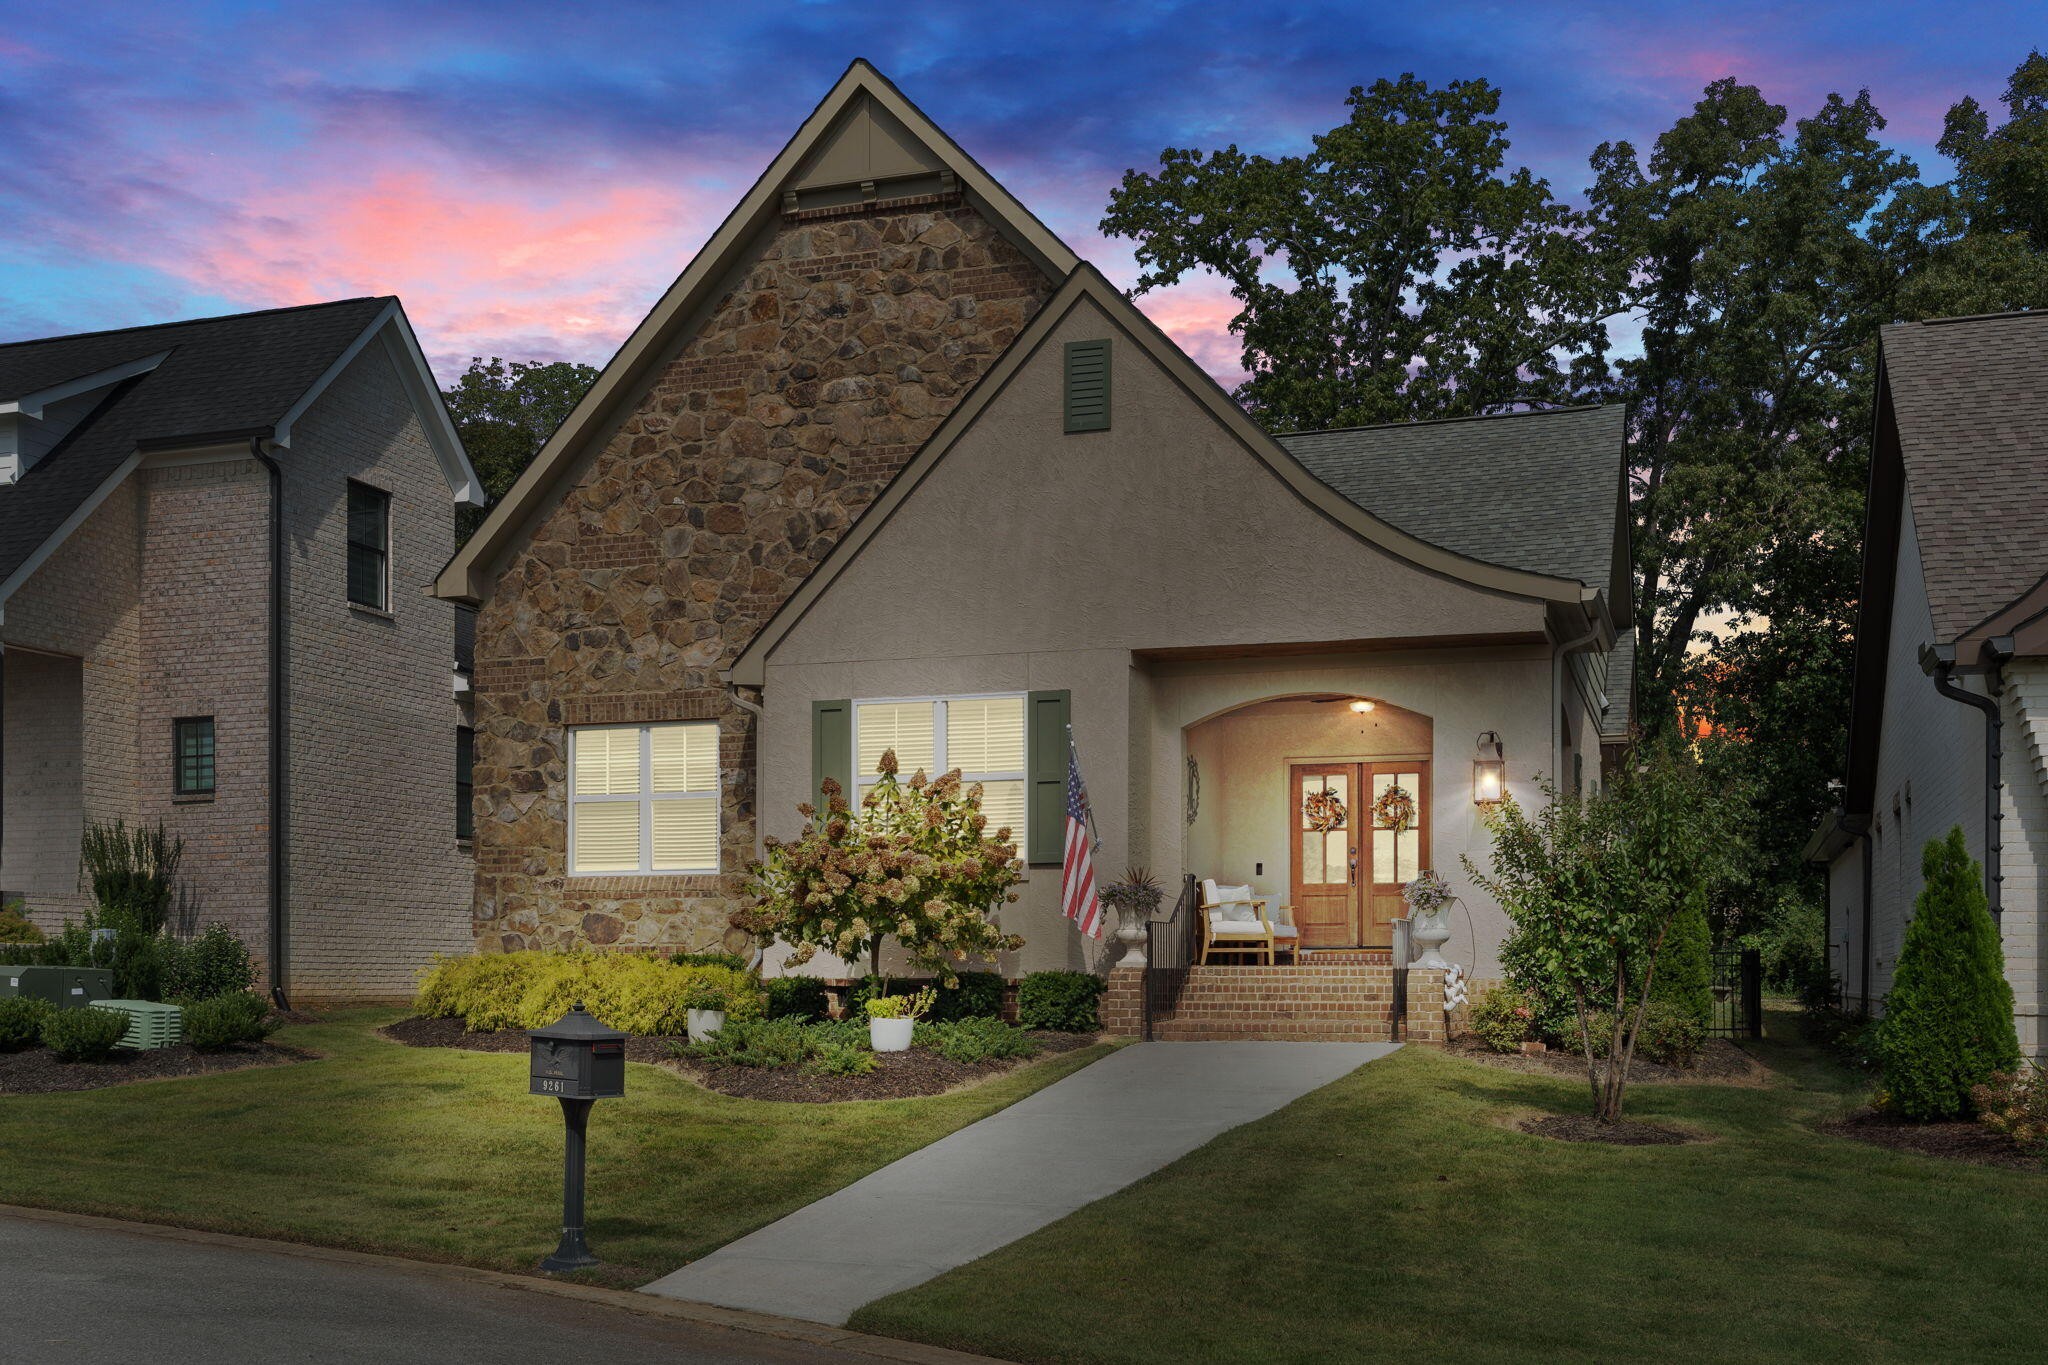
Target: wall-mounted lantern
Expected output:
[1489,772]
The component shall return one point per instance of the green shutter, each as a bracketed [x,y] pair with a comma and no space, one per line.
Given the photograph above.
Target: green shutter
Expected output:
[831,748]
[1046,722]
[1088,386]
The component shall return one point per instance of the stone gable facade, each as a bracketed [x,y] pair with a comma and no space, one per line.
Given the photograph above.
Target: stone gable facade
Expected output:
[848,337]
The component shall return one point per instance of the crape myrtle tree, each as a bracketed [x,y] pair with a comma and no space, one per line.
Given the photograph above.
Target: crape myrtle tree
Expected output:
[1596,884]
[916,862]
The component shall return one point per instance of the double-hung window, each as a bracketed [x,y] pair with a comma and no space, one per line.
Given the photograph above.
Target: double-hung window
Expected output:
[981,736]
[369,546]
[192,756]
[643,798]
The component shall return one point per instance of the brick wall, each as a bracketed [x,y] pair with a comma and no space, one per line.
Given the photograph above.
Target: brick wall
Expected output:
[1316,1002]
[82,603]
[844,342]
[376,881]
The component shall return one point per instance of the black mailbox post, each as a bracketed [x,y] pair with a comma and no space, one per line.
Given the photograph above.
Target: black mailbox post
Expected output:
[576,1059]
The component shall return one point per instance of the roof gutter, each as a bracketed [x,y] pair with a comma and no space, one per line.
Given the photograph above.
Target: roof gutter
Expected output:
[278,957]
[1939,663]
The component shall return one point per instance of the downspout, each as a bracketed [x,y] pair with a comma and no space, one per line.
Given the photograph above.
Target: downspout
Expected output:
[1869,865]
[1939,663]
[277,957]
[1562,652]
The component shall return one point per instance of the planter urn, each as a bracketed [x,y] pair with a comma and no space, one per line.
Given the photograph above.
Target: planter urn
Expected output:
[1130,931]
[704,1023]
[1430,932]
[890,1035]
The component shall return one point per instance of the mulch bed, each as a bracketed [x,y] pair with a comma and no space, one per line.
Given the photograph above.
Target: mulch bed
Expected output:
[1627,1133]
[901,1075]
[1957,1140]
[1720,1063]
[39,1072]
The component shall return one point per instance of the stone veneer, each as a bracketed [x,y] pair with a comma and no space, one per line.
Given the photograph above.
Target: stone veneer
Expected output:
[840,348]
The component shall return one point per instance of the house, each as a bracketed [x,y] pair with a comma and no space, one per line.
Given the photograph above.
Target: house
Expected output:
[1949,717]
[890,467]
[213,536]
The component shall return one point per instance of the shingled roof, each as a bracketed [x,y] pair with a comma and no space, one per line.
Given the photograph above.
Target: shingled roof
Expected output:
[1970,400]
[1539,491]
[224,378]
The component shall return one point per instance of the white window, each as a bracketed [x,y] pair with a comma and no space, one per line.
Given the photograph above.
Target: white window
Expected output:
[981,736]
[643,798]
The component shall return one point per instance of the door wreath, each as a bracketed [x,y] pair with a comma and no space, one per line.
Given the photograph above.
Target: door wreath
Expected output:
[1395,810]
[1324,811]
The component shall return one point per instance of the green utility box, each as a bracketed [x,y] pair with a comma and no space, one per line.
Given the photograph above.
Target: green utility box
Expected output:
[10,978]
[67,988]
[150,1025]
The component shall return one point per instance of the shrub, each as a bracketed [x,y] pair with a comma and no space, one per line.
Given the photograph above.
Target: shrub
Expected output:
[83,1035]
[15,927]
[797,997]
[1791,943]
[834,1058]
[21,1021]
[133,874]
[1850,1037]
[976,995]
[1504,1018]
[901,1006]
[1948,1020]
[1670,1035]
[771,1043]
[1685,968]
[635,993]
[730,961]
[2014,1104]
[214,964]
[1062,1001]
[222,1021]
[976,1040]
[703,993]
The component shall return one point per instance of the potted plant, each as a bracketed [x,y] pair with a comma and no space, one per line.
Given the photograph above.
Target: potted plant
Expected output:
[707,1001]
[1135,899]
[892,1019]
[1429,896]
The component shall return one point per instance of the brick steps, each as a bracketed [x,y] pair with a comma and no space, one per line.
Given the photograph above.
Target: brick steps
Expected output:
[1338,1002]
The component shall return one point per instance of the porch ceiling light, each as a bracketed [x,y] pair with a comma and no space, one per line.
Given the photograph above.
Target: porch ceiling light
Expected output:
[1489,772]
[1361,706]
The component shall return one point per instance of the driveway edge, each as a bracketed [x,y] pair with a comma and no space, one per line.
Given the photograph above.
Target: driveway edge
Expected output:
[625,1300]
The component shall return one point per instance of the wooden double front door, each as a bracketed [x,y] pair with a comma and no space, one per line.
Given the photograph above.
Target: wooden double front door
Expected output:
[1348,873]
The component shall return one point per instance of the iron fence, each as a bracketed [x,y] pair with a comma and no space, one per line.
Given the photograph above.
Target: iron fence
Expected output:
[1169,952]
[1738,1005]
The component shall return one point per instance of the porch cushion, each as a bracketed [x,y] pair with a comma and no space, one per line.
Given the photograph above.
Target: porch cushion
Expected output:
[1238,912]
[1285,930]
[1222,927]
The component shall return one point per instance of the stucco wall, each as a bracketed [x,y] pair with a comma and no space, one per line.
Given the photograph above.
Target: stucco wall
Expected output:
[1031,559]
[44,790]
[375,879]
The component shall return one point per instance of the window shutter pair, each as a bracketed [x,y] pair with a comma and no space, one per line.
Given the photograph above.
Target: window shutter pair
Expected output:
[1045,720]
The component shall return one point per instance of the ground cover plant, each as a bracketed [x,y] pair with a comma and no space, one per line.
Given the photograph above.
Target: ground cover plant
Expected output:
[441,1153]
[628,991]
[1420,1223]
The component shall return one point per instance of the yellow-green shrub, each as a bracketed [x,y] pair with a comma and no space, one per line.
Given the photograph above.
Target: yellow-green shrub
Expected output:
[628,991]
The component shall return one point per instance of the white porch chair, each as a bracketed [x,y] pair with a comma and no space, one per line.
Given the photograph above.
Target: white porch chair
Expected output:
[1236,923]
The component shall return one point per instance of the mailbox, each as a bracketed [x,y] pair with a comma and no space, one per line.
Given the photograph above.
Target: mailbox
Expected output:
[65,987]
[577,1058]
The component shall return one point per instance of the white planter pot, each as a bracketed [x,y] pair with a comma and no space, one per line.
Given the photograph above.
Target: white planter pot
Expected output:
[1430,932]
[890,1035]
[704,1023]
[1130,931]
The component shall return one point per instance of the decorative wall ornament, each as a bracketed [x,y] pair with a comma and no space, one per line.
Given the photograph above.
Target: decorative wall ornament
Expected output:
[1395,810]
[1324,811]
[1194,789]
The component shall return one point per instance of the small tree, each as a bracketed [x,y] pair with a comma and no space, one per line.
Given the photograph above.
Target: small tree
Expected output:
[1685,969]
[1594,886]
[916,862]
[1948,1020]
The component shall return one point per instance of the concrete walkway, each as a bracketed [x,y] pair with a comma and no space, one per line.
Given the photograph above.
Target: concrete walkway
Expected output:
[1008,1175]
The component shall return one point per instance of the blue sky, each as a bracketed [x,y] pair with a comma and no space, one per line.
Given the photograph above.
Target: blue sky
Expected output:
[528,177]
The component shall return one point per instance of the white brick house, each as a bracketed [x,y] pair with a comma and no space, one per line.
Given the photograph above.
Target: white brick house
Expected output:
[212,540]
[1952,631]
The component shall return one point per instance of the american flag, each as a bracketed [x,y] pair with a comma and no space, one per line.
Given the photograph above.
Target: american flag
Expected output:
[1077,875]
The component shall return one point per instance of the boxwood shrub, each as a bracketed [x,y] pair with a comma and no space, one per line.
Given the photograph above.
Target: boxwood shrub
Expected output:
[222,1021]
[1064,1001]
[797,997]
[83,1035]
[21,1021]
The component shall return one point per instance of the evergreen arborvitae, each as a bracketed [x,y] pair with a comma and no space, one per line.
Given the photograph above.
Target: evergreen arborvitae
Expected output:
[1685,965]
[1948,1020]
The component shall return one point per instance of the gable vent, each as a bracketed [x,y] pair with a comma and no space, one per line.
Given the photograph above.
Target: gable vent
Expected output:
[1088,386]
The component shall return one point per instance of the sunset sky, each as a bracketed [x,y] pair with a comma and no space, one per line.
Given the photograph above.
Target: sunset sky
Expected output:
[529,177]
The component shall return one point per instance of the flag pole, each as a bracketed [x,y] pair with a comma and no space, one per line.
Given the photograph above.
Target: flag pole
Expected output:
[1074,754]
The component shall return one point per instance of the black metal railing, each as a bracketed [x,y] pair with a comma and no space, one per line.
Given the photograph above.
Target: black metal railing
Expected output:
[1738,1005]
[1169,952]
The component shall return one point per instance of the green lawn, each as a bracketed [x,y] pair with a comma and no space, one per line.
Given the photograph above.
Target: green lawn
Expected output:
[1394,1215]
[442,1154]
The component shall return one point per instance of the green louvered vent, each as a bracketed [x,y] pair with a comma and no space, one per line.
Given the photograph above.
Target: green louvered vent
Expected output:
[1088,386]
[150,1025]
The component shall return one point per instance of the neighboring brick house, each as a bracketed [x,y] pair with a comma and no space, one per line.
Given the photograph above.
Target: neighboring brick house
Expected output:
[212,540]
[889,466]
[1954,604]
